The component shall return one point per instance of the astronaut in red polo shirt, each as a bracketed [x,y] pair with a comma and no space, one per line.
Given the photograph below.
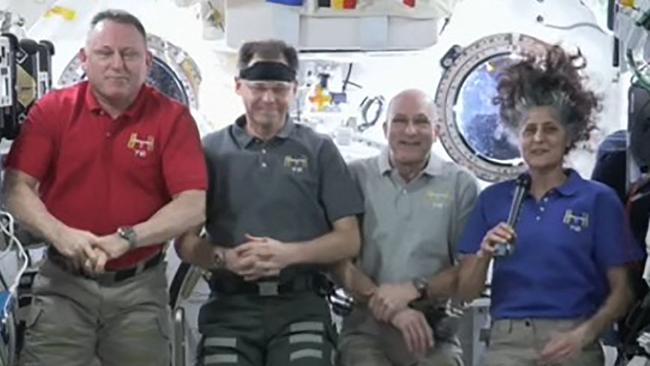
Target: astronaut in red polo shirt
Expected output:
[105,172]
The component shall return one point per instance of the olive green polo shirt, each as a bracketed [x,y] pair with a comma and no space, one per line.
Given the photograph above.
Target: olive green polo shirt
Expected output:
[411,229]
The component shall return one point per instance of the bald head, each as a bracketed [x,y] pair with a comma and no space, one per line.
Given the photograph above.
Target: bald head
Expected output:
[411,98]
[410,129]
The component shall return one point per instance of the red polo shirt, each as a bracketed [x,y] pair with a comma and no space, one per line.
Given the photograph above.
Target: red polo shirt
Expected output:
[97,173]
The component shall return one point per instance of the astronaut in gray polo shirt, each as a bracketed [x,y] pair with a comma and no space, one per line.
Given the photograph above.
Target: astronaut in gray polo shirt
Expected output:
[415,208]
[281,204]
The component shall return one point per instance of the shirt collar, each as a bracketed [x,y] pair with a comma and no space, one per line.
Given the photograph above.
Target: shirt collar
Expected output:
[572,184]
[132,111]
[244,139]
[433,167]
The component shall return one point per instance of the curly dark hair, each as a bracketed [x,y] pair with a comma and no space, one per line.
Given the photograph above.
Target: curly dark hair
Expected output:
[550,78]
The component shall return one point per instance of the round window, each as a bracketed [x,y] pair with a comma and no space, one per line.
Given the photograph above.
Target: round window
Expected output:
[470,127]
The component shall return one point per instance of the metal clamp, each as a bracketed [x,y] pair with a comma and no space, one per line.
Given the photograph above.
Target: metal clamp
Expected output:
[268,288]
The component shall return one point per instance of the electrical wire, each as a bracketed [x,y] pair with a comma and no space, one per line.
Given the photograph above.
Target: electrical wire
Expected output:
[3,282]
[366,105]
[9,235]
[576,25]
[355,84]
[8,320]
[347,77]
[641,79]
[347,81]
[8,229]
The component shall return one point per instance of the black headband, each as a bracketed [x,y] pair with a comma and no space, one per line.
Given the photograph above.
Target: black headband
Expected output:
[268,71]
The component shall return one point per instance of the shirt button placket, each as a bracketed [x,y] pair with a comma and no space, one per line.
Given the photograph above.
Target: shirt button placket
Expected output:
[541,209]
[263,163]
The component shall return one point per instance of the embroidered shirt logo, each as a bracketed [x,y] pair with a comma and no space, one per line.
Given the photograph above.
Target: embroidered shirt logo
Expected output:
[297,163]
[438,200]
[140,147]
[576,221]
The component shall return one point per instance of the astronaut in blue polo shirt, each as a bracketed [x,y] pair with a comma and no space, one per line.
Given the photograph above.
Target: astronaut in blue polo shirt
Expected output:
[565,281]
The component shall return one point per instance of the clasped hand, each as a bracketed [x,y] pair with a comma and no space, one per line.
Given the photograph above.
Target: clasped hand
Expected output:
[260,257]
[88,252]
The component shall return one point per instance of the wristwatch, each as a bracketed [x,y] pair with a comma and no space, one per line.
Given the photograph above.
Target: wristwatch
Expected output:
[422,285]
[219,259]
[127,233]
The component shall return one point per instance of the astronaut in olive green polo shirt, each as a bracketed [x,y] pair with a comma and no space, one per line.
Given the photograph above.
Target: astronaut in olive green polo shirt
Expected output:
[415,208]
[281,205]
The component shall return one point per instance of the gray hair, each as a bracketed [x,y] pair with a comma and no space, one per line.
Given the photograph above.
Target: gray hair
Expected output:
[558,100]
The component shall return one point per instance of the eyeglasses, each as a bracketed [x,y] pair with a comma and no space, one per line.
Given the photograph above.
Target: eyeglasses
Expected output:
[278,88]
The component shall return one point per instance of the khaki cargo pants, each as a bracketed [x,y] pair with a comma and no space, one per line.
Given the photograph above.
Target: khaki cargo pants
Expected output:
[75,321]
[519,343]
[367,350]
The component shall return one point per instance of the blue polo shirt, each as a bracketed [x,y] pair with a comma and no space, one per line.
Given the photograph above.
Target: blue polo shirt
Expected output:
[565,244]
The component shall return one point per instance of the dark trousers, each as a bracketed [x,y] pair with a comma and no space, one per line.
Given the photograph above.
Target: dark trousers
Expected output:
[291,329]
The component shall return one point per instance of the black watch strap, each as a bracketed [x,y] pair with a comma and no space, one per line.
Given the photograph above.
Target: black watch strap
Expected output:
[219,259]
[127,233]
[422,285]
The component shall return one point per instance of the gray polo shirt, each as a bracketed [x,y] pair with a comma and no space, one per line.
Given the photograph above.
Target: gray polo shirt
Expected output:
[290,188]
[409,229]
